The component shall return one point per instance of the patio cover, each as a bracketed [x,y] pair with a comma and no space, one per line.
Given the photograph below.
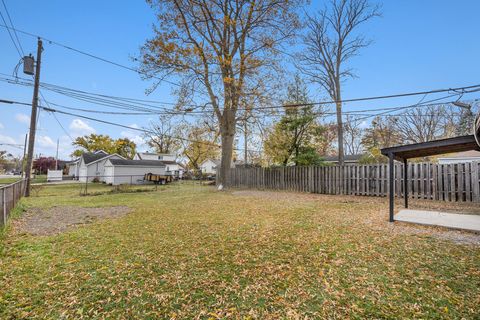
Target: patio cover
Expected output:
[423,149]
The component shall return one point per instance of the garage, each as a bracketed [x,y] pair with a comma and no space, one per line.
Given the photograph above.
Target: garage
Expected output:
[120,171]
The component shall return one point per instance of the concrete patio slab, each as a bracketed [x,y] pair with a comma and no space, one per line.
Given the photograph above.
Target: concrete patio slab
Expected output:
[467,222]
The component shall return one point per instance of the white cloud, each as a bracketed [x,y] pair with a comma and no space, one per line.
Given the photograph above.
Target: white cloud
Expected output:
[364,125]
[22,118]
[133,135]
[1,126]
[46,142]
[80,127]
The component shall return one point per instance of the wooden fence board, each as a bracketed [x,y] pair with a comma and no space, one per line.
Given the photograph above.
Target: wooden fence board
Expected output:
[449,182]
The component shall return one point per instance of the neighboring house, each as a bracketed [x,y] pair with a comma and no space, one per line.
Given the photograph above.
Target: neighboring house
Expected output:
[460,157]
[154,156]
[171,165]
[210,166]
[91,165]
[348,158]
[122,171]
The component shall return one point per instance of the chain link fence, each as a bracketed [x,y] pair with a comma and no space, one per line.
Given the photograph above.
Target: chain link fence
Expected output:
[10,194]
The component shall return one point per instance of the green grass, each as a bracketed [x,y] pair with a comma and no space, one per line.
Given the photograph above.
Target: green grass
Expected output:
[190,252]
[41,178]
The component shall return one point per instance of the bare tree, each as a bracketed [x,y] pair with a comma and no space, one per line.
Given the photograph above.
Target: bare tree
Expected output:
[423,124]
[353,133]
[162,135]
[330,43]
[219,49]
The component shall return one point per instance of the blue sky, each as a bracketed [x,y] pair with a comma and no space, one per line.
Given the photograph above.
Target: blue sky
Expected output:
[418,45]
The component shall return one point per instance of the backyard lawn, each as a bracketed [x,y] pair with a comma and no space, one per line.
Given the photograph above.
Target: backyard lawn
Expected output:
[188,252]
[41,178]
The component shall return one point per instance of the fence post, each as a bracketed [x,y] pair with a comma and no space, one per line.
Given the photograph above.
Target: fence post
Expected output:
[4,200]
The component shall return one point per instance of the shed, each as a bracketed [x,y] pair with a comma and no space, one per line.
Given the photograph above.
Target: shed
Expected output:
[91,165]
[73,168]
[121,171]
[424,149]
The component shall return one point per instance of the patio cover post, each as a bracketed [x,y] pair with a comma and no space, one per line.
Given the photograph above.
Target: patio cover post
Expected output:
[405,181]
[391,184]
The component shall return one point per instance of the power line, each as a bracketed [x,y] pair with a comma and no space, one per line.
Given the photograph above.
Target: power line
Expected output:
[423,104]
[433,102]
[86,96]
[92,98]
[51,110]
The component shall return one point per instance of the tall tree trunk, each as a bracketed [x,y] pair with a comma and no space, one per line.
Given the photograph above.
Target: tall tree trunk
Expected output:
[227,133]
[340,133]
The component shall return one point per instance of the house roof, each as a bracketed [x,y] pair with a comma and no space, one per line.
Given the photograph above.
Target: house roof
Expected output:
[139,154]
[142,163]
[93,156]
[461,155]
[432,148]
[347,157]
[167,161]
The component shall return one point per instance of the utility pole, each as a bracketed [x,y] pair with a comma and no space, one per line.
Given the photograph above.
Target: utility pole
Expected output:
[33,118]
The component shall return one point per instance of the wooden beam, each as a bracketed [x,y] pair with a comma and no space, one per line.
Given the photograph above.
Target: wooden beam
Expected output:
[391,184]
[405,182]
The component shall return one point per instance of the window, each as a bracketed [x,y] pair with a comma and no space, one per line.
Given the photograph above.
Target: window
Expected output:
[160,157]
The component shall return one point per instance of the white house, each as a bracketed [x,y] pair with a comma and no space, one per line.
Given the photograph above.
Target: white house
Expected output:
[121,171]
[460,157]
[209,166]
[170,161]
[91,165]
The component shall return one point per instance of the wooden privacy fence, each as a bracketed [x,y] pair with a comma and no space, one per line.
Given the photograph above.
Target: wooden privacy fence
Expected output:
[445,182]
[9,196]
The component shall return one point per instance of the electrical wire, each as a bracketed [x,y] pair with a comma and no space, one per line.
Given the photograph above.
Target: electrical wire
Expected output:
[87,97]
[51,110]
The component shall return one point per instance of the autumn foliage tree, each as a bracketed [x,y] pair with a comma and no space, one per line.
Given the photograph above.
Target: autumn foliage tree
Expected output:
[43,164]
[220,50]
[94,142]
[200,144]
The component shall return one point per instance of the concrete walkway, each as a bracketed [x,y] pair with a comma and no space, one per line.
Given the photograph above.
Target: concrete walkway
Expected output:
[467,222]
